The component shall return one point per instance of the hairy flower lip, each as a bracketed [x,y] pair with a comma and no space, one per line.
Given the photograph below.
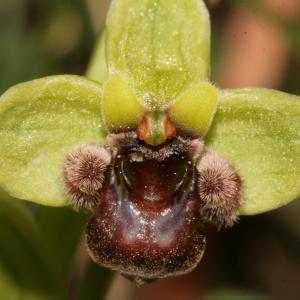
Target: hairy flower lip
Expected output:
[147,224]
[150,219]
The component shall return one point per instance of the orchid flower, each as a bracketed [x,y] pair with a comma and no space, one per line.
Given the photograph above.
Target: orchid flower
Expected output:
[148,144]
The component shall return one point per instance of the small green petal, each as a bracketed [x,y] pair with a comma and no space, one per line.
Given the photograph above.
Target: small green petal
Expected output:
[259,131]
[40,122]
[194,111]
[161,47]
[120,109]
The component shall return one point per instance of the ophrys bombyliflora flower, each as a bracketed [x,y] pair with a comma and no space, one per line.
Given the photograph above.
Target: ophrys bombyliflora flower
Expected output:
[156,150]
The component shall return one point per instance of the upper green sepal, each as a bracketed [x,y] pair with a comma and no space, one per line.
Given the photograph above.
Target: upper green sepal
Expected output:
[160,47]
[40,122]
[259,131]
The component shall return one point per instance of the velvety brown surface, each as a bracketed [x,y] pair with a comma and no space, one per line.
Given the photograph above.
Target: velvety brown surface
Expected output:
[147,225]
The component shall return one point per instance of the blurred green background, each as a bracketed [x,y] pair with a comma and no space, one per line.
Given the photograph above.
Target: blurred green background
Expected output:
[42,255]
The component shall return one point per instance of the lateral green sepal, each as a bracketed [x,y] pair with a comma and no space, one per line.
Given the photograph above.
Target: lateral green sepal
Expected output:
[259,131]
[40,122]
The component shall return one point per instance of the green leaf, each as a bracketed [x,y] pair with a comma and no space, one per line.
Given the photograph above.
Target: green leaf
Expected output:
[62,228]
[194,110]
[160,47]
[259,131]
[25,272]
[40,122]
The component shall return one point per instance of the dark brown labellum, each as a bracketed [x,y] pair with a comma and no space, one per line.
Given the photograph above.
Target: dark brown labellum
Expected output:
[153,202]
[147,225]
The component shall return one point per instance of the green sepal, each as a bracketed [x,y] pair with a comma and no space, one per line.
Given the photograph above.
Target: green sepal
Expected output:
[160,47]
[120,109]
[259,131]
[193,112]
[40,122]
[97,69]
